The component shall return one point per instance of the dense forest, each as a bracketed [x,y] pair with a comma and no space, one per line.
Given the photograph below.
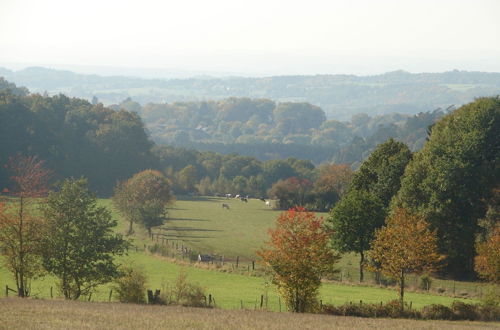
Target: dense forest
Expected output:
[340,96]
[265,129]
[78,138]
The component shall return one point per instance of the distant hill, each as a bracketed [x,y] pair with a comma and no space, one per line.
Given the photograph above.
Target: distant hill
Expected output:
[340,96]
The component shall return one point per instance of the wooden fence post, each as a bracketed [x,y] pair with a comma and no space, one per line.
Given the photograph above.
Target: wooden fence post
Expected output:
[6,290]
[253,265]
[51,295]
[279,302]
[261,301]
[110,294]
[237,261]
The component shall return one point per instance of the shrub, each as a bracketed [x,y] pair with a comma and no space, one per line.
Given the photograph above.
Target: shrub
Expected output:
[437,312]
[391,309]
[465,311]
[131,286]
[425,282]
[184,293]
[489,313]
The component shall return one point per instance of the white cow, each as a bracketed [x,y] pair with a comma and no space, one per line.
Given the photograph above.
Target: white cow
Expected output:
[268,203]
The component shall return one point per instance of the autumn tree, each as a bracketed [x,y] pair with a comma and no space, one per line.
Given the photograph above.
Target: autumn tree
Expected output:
[20,223]
[487,262]
[299,257]
[405,245]
[79,244]
[291,192]
[143,199]
[353,222]
[332,183]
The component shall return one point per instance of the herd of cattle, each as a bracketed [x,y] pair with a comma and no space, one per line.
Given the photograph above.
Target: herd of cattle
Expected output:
[243,199]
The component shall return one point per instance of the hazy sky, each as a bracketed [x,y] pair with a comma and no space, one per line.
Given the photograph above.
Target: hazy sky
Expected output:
[255,37]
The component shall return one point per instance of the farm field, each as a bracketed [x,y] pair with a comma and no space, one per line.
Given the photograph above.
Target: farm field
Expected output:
[202,224]
[231,291]
[57,314]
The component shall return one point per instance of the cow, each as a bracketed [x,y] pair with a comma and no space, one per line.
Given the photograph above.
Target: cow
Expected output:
[243,199]
[228,196]
[225,206]
[262,199]
[237,196]
[268,203]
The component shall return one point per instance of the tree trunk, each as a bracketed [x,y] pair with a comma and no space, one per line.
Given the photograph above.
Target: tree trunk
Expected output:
[361,263]
[402,289]
[21,289]
[130,229]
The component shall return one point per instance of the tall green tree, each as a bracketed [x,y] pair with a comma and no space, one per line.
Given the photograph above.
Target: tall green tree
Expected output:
[353,222]
[143,199]
[79,244]
[451,179]
[382,171]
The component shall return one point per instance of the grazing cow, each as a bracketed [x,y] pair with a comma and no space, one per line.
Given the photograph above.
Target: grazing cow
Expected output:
[243,199]
[268,203]
[237,196]
[228,196]
[262,199]
[225,206]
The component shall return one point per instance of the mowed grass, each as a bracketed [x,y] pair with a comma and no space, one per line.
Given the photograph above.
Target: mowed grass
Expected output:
[56,314]
[203,224]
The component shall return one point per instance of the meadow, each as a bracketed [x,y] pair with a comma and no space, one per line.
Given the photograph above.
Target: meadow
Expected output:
[201,224]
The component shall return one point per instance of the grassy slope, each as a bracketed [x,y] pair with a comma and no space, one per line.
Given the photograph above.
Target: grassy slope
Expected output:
[204,225]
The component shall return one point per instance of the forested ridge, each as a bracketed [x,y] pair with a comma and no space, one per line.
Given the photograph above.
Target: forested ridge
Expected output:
[81,138]
[266,129]
[340,96]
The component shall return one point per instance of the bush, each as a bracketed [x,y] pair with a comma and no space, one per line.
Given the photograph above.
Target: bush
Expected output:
[184,293]
[391,309]
[131,286]
[437,312]
[425,282]
[489,313]
[465,311]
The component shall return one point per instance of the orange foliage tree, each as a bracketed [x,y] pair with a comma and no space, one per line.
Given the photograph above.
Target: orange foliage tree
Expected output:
[299,256]
[487,262]
[405,245]
[332,183]
[20,223]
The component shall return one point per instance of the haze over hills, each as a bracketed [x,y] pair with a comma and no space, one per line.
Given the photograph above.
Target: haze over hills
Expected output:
[340,96]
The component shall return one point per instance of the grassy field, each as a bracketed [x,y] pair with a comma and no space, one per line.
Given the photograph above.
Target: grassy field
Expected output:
[56,314]
[204,226]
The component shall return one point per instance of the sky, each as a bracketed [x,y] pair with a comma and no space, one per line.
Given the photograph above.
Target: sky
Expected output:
[253,38]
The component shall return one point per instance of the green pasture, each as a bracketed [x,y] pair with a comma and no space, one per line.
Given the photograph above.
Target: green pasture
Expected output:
[230,291]
[203,225]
